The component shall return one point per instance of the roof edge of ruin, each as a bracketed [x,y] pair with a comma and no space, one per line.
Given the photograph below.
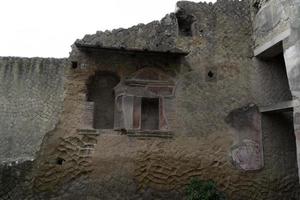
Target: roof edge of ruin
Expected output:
[174,51]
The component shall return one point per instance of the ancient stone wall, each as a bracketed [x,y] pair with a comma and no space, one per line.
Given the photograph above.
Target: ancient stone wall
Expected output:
[218,132]
[215,86]
[77,146]
[219,57]
[157,35]
[31,93]
[276,35]
[257,4]
[272,23]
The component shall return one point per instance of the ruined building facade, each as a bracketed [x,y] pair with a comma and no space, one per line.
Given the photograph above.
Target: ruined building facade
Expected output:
[209,91]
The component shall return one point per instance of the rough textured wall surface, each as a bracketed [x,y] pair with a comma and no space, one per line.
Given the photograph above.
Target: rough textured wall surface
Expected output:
[272,20]
[67,143]
[157,35]
[217,79]
[223,49]
[31,93]
[258,3]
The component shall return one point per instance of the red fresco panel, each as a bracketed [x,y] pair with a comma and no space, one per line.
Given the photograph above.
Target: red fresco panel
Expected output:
[247,154]
[137,113]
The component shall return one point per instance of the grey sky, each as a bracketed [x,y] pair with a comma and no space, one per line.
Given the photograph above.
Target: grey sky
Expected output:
[47,28]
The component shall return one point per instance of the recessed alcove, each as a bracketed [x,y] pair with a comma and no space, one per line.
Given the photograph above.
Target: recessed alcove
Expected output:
[185,22]
[74,64]
[150,114]
[100,91]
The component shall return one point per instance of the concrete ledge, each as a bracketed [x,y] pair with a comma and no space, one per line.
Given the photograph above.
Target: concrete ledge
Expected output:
[280,107]
[267,45]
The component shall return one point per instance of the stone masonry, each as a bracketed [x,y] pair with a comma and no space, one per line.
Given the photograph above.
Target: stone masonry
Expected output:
[209,92]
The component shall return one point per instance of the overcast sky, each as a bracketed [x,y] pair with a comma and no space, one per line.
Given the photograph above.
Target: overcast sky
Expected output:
[47,28]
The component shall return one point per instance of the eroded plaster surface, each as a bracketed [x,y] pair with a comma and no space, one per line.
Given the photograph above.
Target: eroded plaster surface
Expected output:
[214,129]
[31,93]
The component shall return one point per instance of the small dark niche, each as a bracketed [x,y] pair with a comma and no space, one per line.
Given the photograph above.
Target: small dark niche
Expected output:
[185,22]
[74,64]
[60,161]
[256,5]
[210,74]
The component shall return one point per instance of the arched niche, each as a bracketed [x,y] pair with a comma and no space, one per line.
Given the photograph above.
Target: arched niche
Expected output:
[101,97]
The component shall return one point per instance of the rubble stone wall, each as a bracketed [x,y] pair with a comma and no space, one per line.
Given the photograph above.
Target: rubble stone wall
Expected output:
[218,85]
[31,93]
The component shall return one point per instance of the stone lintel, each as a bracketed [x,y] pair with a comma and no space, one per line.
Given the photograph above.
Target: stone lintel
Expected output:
[284,106]
[274,42]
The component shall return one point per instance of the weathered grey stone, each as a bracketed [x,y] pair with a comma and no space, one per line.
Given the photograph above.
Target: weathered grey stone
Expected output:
[31,94]
[217,77]
[271,22]
[155,36]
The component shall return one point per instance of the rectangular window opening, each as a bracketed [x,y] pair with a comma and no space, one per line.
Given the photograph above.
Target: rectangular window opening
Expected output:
[150,114]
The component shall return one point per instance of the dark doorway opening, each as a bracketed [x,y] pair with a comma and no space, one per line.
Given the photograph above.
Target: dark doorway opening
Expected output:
[100,90]
[150,113]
